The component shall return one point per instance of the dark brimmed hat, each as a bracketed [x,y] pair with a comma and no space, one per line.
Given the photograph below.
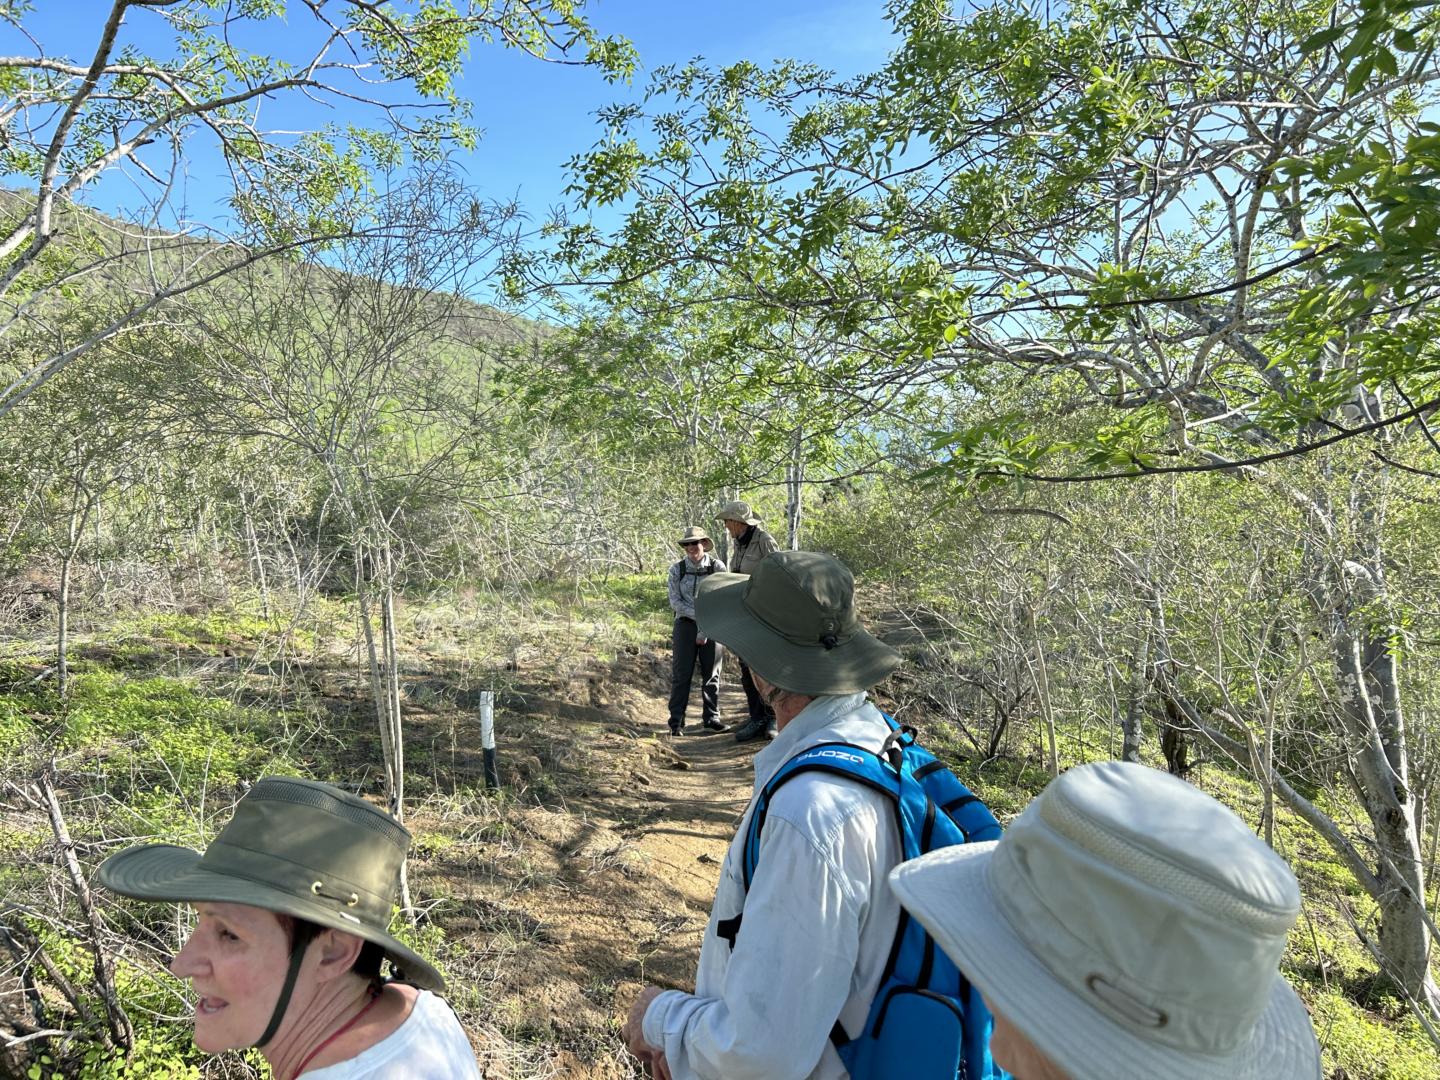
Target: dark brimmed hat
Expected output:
[693,534]
[296,847]
[793,620]
[737,511]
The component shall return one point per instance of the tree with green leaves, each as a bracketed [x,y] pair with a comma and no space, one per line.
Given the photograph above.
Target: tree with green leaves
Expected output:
[66,122]
[1121,240]
[374,370]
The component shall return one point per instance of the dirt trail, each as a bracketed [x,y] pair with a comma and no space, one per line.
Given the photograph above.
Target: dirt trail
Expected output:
[593,878]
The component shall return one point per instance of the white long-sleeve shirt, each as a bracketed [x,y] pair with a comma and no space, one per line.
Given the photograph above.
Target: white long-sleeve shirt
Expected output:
[818,920]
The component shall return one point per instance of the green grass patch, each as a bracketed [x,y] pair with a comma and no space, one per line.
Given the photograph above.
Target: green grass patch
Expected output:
[1357,1042]
[209,631]
[168,728]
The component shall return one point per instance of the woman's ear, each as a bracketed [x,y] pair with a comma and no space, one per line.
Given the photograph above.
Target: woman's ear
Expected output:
[338,952]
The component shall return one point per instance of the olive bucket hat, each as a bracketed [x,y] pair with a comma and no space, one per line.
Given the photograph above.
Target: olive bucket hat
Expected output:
[296,847]
[793,620]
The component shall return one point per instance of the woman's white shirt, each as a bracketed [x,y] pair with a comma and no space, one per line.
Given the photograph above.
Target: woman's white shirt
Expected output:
[429,1045]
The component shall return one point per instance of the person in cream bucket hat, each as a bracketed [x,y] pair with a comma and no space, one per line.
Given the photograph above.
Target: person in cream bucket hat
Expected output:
[1126,927]
[293,899]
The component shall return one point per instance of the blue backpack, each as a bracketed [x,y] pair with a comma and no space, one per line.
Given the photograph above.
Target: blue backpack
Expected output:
[926,1021]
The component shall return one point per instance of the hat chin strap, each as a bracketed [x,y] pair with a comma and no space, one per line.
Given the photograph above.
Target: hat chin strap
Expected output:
[283,1003]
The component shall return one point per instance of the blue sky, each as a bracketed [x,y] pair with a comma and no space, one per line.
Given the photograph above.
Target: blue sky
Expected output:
[534,115]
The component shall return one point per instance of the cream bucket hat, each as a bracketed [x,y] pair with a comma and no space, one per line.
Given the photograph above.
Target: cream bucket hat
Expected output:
[1129,926]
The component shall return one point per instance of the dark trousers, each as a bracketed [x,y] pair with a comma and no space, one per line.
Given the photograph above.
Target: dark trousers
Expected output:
[683,656]
[754,703]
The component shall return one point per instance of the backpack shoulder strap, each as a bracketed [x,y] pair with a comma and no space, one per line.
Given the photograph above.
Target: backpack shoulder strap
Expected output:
[838,759]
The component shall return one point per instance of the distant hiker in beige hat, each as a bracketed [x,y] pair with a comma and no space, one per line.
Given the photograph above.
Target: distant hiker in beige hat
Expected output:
[752,543]
[687,645]
[1126,927]
[292,902]
[797,951]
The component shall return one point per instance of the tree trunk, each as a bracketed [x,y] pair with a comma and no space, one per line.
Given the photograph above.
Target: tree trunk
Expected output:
[397,740]
[384,669]
[121,1032]
[1041,676]
[1370,696]
[256,557]
[794,483]
[1173,742]
[378,695]
[1350,597]
[1133,730]
[62,632]
[75,526]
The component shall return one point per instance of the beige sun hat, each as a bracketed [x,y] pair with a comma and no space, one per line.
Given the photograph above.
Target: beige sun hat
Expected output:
[737,511]
[793,620]
[1128,925]
[692,534]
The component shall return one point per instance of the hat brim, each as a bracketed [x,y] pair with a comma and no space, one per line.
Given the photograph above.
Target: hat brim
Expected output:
[166,872]
[850,667]
[948,891]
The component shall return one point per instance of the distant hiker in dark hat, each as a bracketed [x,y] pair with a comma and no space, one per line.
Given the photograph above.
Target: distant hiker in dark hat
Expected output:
[752,543]
[1126,927]
[292,902]
[687,645]
[800,952]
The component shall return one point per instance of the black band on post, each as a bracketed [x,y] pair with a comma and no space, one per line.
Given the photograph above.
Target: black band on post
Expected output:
[293,972]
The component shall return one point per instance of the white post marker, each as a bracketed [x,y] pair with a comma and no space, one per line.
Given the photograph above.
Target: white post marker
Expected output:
[487,737]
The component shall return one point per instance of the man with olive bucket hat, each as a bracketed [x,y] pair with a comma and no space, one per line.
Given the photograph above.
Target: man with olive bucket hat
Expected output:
[293,900]
[1126,927]
[818,919]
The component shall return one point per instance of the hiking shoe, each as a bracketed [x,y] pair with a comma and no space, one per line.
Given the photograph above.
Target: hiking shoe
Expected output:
[751,729]
[676,732]
[711,724]
[770,729]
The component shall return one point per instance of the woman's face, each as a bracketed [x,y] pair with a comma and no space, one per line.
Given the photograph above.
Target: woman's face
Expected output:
[236,961]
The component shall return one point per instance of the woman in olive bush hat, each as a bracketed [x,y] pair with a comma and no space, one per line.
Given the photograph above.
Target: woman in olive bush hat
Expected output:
[293,901]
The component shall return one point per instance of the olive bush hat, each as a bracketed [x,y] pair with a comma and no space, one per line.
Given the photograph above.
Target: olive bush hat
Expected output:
[296,847]
[1130,926]
[793,620]
[737,511]
[693,534]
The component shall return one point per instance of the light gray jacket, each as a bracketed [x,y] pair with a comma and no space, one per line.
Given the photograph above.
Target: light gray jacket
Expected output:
[685,580]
